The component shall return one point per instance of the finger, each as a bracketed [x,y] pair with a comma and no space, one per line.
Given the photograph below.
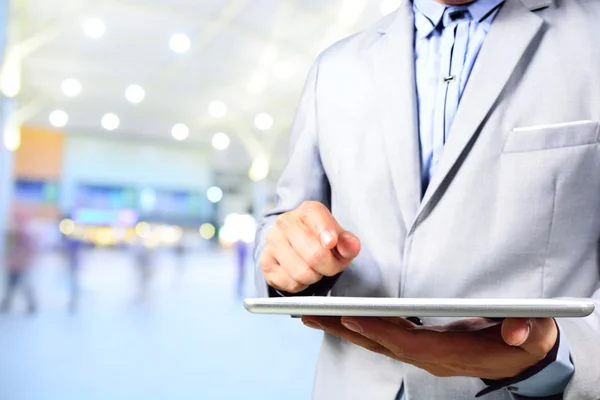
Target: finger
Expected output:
[348,246]
[333,326]
[402,322]
[493,332]
[391,335]
[470,325]
[275,275]
[307,246]
[287,257]
[425,344]
[462,353]
[515,331]
[321,223]
[536,336]
[280,280]
[459,353]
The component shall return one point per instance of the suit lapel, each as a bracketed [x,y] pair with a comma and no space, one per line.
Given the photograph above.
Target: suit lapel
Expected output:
[511,34]
[395,91]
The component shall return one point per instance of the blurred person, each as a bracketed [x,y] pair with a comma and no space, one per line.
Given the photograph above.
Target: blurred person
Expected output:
[241,249]
[241,255]
[143,264]
[19,256]
[450,150]
[180,251]
[73,249]
[179,254]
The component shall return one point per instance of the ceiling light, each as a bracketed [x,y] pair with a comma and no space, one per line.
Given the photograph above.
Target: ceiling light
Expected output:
[389,6]
[180,132]
[10,77]
[283,70]
[12,137]
[180,43]
[94,28]
[217,109]
[263,121]
[110,122]
[214,194]
[220,141]
[135,94]
[59,118]
[259,169]
[71,87]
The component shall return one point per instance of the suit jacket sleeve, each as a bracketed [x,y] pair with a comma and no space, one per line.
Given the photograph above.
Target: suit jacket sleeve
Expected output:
[303,179]
[583,335]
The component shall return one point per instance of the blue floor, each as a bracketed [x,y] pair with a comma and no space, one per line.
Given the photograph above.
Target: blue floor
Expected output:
[191,340]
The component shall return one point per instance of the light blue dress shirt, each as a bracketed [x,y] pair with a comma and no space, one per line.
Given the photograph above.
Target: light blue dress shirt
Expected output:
[447,42]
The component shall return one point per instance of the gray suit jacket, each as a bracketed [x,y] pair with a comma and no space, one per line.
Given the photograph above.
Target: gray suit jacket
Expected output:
[513,208]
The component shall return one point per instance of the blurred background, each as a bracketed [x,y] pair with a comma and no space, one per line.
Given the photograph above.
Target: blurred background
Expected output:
[141,142]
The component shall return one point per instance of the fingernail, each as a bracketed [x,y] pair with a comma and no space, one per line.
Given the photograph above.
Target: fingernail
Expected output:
[352,326]
[326,238]
[525,336]
[313,325]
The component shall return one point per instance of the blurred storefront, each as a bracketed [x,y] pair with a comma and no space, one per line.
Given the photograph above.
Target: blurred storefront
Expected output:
[95,191]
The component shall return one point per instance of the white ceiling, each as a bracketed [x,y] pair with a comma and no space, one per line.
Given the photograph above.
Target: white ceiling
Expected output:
[233,42]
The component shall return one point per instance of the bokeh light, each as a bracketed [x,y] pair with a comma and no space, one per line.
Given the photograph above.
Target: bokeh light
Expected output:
[180,43]
[71,87]
[180,132]
[67,227]
[58,118]
[263,121]
[110,122]
[207,231]
[214,194]
[217,109]
[135,94]
[220,141]
[94,28]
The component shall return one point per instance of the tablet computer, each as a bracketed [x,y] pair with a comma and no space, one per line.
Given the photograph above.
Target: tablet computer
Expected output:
[423,307]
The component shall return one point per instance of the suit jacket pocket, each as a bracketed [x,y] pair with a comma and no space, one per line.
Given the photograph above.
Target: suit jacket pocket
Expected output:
[545,137]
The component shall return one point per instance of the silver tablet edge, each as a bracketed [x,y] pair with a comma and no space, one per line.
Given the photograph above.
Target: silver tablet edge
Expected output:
[576,310]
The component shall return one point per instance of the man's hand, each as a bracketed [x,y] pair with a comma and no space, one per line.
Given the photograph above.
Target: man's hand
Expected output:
[479,347]
[304,245]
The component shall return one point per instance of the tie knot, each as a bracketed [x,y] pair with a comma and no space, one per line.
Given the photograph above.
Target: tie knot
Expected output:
[454,15]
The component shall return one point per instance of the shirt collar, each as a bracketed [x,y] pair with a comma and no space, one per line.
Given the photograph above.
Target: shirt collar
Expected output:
[429,13]
[481,9]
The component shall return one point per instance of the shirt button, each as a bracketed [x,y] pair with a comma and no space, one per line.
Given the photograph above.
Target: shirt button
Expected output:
[512,389]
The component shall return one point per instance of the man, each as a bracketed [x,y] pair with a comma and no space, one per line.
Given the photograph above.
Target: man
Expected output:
[72,252]
[20,252]
[452,150]
[241,255]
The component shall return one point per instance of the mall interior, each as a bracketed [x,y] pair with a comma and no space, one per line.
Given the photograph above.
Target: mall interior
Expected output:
[141,142]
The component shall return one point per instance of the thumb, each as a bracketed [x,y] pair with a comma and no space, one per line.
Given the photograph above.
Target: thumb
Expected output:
[348,246]
[536,336]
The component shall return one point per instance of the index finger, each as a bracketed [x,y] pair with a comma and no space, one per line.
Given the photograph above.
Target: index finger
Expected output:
[333,326]
[320,221]
[422,344]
